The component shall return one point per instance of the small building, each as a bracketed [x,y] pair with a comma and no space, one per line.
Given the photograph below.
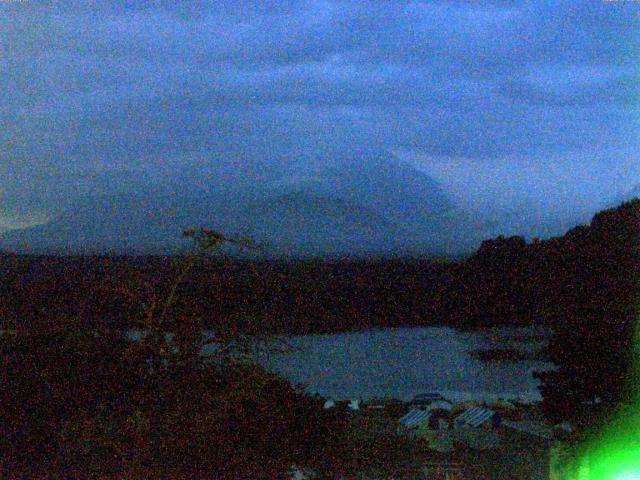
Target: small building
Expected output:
[476,428]
[413,419]
[329,404]
[377,403]
[352,405]
[433,426]
[443,405]
[478,417]
[426,399]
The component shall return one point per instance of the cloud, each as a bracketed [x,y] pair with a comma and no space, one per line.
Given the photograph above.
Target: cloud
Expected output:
[574,183]
[240,92]
[576,85]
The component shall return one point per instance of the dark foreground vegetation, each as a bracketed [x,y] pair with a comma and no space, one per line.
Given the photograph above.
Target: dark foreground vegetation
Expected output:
[506,282]
[81,400]
[285,296]
[78,404]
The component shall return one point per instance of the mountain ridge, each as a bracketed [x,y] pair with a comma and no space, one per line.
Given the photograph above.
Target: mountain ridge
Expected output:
[364,202]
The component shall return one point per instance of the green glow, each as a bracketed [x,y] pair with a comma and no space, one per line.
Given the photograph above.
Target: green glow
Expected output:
[628,476]
[614,452]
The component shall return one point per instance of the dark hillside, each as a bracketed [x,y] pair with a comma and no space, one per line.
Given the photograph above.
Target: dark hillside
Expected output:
[283,296]
[589,273]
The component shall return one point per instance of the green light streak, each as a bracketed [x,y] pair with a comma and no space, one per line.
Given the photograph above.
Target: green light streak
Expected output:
[614,452]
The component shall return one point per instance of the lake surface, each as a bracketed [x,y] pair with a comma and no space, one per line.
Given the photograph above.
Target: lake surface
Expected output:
[401,362]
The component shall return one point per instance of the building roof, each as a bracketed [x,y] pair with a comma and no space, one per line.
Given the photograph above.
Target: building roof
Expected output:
[425,398]
[440,405]
[415,417]
[474,416]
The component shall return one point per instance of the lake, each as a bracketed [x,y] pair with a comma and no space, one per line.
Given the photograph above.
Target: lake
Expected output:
[401,362]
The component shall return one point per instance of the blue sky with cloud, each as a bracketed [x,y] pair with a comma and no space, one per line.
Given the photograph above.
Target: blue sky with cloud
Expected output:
[503,103]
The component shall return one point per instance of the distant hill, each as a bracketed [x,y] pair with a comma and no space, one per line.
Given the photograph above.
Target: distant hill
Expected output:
[401,192]
[119,223]
[312,223]
[363,203]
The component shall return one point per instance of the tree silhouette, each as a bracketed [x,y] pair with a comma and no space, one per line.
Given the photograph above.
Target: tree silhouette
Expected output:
[593,344]
[84,402]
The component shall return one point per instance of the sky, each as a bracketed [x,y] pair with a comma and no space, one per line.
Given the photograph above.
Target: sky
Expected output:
[532,106]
